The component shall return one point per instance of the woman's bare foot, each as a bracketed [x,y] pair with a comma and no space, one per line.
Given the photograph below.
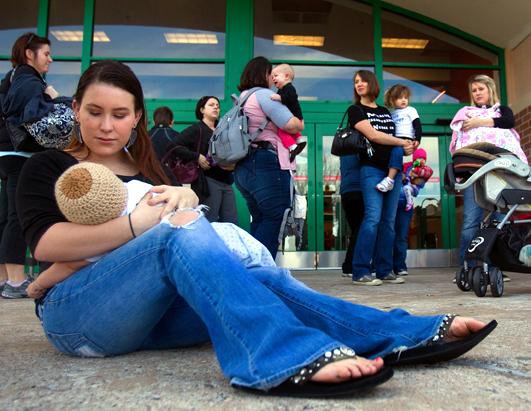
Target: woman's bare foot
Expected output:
[462,327]
[348,369]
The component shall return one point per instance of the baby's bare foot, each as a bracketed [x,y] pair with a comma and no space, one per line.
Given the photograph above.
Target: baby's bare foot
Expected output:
[348,369]
[462,327]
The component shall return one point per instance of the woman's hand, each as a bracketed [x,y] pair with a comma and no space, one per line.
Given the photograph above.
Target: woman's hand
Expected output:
[408,147]
[203,162]
[173,198]
[145,215]
[474,122]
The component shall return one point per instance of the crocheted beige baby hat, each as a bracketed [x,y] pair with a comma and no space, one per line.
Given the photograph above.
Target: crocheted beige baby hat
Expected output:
[89,193]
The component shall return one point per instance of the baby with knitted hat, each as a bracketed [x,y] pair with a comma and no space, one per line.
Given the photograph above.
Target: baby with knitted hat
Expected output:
[90,193]
[416,173]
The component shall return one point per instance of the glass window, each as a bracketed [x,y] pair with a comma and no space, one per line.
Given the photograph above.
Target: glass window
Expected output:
[64,76]
[159,29]
[5,66]
[317,83]
[66,27]
[435,85]
[426,228]
[313,30]
[16,18]
[180,81]
[404,39]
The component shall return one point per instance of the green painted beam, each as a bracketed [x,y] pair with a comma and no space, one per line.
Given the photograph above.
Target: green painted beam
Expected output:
[503,78]
[378,53]
[88,32]
[42,18]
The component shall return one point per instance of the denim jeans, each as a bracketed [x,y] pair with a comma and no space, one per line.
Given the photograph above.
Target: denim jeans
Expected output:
[396,158]
[221,202]
[402,222]
[265,188]
[377,232]
[179,286]
[352,203]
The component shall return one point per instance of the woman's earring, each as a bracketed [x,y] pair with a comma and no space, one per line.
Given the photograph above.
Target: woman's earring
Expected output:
[77,132]
[132,138]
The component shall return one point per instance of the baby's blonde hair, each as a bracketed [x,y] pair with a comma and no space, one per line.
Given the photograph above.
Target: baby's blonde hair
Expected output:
[487,82]
[286,68]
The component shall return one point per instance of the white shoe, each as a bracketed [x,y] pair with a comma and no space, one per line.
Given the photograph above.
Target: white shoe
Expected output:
[385,185]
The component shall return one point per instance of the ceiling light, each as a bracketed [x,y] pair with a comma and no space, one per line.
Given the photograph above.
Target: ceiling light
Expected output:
[77,35]
[396,43]
[307,41]
[191,38]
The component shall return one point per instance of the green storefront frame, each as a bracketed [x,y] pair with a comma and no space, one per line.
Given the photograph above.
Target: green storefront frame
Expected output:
[239,49]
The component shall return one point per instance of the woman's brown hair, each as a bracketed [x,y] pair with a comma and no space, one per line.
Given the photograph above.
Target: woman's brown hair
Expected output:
[373,88]
[255,74]
[121,76]
[28,41]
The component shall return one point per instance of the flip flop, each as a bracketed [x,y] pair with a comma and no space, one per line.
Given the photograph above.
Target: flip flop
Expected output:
[301,385]
[312,389]
[444,351]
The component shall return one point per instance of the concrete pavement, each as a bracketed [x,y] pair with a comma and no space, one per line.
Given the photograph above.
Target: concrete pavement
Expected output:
[496,375]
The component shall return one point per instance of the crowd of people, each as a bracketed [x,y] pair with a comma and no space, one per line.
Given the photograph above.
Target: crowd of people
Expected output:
[153,286]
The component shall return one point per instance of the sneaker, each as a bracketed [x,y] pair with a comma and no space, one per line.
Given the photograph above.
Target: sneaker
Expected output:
[506,278]
[393,279]
[298,149]
[402,272]
[385,185]
[366,280]
[348,275]
[15,292]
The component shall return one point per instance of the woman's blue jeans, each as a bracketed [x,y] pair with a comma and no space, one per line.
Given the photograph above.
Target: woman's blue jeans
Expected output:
[402,222]
[179,286]
[377,233]
[265,188]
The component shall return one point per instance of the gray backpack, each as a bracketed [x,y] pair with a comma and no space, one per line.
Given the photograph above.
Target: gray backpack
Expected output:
[231,138]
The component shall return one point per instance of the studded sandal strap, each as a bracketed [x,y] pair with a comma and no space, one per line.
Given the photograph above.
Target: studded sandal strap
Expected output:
[307,372]
[444,329]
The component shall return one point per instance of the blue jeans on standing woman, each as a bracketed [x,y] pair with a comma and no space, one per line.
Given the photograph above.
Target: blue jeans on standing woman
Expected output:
[402,222]
[265,188]
[377,233]
[160,291]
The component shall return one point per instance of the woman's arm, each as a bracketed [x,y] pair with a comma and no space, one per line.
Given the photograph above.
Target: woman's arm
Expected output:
[278,113]
[365,128]
[186,143]
[505,121]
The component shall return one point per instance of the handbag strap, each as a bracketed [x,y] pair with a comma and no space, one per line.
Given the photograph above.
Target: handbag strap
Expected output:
[167,155]
[343,119]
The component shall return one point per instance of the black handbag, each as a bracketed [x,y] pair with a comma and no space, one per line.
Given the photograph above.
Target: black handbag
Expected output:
[21,139]
[186,172]
[349,141]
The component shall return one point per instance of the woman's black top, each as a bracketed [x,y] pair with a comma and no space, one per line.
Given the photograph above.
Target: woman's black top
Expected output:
[187,143]
[380,118]
[506,120]
[36,207]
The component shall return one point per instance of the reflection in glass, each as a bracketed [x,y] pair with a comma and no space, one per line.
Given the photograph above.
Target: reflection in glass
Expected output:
[16,18]
[335,223]
[307,20]
[5,66]
[161,29]
[299,242]
[66,16]
[64,76]
[180,81]
[425,230]
[432,45]
[434,85]
[317,83]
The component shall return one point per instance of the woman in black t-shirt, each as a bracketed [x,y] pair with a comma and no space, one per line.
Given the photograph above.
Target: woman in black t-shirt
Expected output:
[374,245]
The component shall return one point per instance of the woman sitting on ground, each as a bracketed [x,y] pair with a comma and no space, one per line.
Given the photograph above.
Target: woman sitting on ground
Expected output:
[156,287]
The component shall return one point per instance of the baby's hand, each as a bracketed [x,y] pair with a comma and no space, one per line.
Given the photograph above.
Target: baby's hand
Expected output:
[35,290]
[276,97]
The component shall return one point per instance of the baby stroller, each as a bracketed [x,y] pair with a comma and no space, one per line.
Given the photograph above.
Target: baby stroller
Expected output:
[502,182]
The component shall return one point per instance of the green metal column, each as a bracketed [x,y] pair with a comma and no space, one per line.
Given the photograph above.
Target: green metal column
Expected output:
[239,41]
[88,32]
[378,53]
[42,18]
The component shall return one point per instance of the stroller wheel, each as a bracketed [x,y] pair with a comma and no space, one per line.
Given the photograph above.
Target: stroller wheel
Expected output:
[496,281]
[462,279]
[480,280]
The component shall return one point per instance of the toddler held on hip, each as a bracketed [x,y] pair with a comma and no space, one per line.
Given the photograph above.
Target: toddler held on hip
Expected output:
[90,193]
[283,76]
[408,126]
